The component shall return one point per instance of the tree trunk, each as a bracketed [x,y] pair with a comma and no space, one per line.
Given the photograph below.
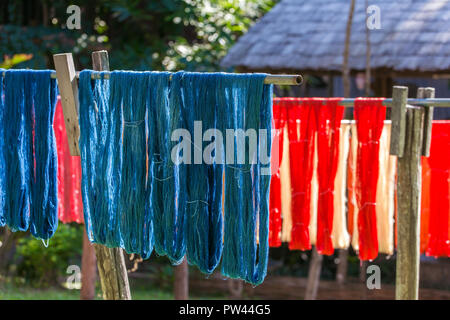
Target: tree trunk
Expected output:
[88,270]
[7,245]
[236,288]
[368,75]
[315,267]
[342,266]
[181,284]
[345,67]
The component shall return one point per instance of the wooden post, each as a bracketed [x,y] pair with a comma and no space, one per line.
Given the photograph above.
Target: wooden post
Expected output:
[181,284]
[423,93]
[68,89]
[88,270]
[113,273]
[111,262]
[398,116]
[408,192]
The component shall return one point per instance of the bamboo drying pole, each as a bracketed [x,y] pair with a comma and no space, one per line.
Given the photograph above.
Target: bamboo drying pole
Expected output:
[276,79]
[430,102]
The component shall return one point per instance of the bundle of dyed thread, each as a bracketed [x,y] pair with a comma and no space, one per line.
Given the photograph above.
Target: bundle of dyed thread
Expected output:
[28,157]
[320,160]
[153,179]
[70,206]
[435,207]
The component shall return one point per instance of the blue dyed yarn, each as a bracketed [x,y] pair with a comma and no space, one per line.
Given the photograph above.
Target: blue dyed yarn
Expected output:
[204,222]
[2,157]
[126,129]
[17,132]
[247,103]
[99,185]
[44,186]
[114,128]
[263,189]
[29,151]
[129,91]
[171,220]
[161,178]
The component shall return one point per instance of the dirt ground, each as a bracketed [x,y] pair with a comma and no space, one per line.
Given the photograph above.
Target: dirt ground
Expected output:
[287,288]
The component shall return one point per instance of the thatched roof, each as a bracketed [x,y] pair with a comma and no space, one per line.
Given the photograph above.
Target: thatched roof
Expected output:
[309,35]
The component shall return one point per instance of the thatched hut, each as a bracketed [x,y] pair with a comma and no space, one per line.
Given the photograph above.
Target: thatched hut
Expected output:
[308,37]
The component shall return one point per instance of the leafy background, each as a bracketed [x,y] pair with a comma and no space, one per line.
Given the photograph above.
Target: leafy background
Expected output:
[151,35]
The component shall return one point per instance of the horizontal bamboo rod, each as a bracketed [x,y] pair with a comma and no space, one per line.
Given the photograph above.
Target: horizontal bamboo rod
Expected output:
[281,80]
[436,102]
[412,103]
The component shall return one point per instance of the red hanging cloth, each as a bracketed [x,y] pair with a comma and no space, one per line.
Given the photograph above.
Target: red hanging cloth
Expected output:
[279,117]
[302,130]
[439,204]
[328,118]
[70,205]
[369,115]
[425,204]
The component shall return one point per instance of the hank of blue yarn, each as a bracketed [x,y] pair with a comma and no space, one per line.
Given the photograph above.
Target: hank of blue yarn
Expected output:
[99,178]
[161,178]
[130,92]
[44,186]
[247,103]
[204,222]
[138,190]
[29,152]
[263,191]
[173,180]
[2,157]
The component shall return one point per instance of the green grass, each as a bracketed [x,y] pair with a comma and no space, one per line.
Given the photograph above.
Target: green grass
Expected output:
[26,293]
[22,292]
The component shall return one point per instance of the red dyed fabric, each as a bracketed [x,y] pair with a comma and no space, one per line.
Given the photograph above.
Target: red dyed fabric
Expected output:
[369,115]
[439,184]
[302,129]
[425,204]
[328,118]
[70,206]
[279,118]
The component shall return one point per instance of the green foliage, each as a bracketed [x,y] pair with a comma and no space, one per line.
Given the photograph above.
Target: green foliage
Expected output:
[16,59]
[140,34]
[216,25]
[43,266]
